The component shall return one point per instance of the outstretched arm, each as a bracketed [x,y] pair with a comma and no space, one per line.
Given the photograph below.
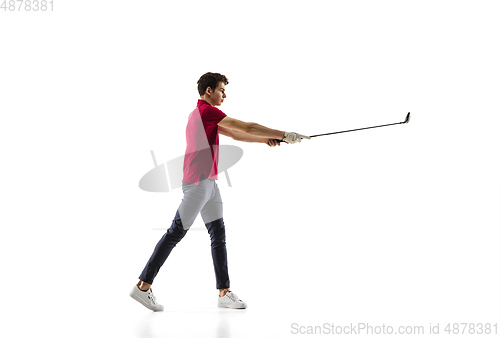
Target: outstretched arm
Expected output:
[254,129]
[244,137]
[274,136]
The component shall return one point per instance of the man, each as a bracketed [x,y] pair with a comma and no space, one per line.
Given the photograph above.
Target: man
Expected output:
[201,194]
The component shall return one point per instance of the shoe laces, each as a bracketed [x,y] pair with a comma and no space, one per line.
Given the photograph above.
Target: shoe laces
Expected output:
[151,296]
[232,296]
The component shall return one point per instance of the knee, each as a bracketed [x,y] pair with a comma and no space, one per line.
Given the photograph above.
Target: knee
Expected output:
[179,224]
[217,231]
[177,228]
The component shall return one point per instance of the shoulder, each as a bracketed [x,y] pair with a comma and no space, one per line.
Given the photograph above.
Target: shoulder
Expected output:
[212,113]
[212,109]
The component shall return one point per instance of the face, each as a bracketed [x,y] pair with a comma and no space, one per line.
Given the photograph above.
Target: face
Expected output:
[218,95]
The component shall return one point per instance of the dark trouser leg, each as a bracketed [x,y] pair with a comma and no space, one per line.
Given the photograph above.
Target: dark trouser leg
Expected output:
[217,233]
[169,240]
[212,217]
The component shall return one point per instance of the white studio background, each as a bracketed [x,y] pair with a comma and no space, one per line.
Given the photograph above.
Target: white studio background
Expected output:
[396,225]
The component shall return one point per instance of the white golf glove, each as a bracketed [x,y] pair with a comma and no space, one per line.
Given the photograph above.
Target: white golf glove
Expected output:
[292,138]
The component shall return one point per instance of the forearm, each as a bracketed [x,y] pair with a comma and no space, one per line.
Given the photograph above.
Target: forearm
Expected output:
[244,137]
[258,130]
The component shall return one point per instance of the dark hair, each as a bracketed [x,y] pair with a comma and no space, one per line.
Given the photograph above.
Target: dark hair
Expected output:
[210,80]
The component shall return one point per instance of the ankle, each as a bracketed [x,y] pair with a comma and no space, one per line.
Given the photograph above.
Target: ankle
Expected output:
[222,292]
[143,286]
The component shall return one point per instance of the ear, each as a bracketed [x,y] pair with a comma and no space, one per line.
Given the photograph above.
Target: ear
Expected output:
[208,91]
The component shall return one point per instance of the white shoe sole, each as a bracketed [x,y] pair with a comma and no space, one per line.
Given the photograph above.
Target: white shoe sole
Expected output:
[229,307]
[242,306]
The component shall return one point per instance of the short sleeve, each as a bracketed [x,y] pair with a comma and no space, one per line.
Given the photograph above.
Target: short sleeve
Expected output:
[212,115]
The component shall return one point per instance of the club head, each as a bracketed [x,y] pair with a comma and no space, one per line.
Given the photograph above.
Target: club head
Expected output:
[407,118]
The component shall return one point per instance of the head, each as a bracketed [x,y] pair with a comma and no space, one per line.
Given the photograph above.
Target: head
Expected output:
[212,87]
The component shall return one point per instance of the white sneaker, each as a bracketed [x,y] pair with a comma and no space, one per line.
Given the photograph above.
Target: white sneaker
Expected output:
[230,300]
[146,298]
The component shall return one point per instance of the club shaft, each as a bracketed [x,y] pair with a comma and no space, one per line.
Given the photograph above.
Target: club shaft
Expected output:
[346,131]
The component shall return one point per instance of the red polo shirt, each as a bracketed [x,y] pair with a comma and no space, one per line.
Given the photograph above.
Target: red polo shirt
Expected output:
[202,138]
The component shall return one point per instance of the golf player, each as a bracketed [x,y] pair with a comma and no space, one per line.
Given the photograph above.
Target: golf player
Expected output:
[201,194]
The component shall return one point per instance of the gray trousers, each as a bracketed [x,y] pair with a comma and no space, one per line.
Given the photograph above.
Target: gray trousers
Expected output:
[203,198]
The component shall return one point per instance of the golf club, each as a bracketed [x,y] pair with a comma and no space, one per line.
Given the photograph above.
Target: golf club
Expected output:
[384,125]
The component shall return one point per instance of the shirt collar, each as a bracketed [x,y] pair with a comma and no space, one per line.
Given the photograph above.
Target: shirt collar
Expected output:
[202,102]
